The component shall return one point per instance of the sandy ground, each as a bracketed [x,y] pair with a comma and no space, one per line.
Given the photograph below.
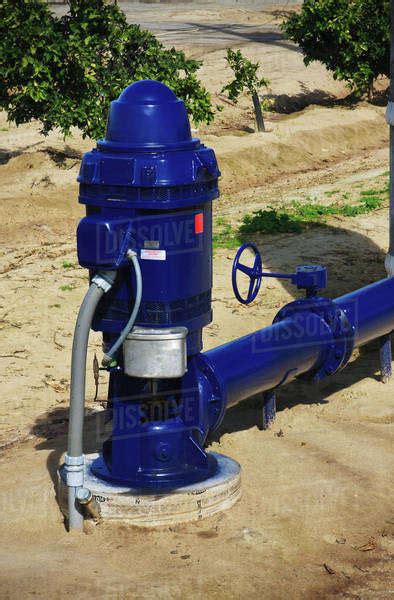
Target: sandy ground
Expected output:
[316,517]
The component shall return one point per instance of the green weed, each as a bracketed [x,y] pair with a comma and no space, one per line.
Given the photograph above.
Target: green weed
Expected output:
[271,220]
[224,235]
[373,192]
[67,264]
[294,217]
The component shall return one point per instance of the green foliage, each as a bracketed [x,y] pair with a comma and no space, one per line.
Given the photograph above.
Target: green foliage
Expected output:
[65,71]
[67,264]
[271,220]
[293,218]
[350,37]
[245,76]
[224,235]
[246,79]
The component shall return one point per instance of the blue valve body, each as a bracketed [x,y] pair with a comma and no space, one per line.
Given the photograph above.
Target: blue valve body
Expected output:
[310,278]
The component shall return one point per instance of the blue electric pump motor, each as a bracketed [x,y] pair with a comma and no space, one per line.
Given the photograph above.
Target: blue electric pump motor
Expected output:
[148,189]
[149,186]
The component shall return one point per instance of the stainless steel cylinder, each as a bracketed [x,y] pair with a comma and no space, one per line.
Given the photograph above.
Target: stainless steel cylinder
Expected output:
[155,353]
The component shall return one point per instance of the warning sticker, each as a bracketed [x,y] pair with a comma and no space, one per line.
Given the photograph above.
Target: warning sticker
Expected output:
[148,254]
[199,223]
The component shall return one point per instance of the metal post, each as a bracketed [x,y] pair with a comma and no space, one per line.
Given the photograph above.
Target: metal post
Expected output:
[385,358]
[385,345]
[269,409]
[390,121]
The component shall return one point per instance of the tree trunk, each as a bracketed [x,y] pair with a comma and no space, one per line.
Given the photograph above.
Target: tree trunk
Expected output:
[370,90]
[258,112]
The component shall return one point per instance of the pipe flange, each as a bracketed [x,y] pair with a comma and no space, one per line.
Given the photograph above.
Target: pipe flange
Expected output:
[339,351]
[216,397]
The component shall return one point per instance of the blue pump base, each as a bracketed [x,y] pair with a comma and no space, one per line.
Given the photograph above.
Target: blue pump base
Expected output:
[145,508]
[151,482]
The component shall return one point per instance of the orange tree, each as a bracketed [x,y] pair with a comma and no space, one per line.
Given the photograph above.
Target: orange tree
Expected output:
[350,37]
[65,71]
[246,80]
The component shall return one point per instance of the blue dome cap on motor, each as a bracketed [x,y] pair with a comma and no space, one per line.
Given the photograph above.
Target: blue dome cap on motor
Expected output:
[148,158]
[147,114]
[147,91]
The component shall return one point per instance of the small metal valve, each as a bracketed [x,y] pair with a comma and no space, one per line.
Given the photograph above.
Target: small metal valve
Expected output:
[310,278]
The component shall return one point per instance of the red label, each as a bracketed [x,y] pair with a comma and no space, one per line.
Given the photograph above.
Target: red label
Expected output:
[199,223]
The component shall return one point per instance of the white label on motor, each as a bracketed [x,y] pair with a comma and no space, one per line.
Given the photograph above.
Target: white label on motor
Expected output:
[147,254]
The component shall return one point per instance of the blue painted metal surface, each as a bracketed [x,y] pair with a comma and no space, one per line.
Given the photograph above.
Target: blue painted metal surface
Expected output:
[270,357]
[371,310]
[268,412]
[300,344]
[149,186]
[254,273]
[310,278]
[385,358]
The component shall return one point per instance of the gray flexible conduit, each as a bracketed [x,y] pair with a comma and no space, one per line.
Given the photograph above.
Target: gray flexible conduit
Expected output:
[78,368]
[101,283]
[74,461]
[109,356]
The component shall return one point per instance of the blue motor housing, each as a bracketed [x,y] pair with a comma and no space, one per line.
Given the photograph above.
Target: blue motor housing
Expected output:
[149,186]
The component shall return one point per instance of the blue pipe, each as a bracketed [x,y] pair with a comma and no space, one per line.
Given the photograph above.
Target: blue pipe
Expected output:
[275,355]
[370,310]
[270,357]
